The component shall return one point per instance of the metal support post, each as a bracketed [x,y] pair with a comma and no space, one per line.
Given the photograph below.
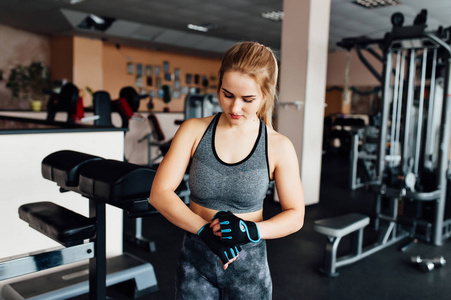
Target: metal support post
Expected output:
[97,264]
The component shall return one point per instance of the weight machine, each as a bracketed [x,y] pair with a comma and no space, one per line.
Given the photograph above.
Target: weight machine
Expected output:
[411,173]
[411,166]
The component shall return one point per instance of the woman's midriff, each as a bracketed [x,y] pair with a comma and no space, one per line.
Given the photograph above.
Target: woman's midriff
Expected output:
[208,213]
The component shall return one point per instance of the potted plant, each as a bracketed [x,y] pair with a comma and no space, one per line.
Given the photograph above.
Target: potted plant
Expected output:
[29,82]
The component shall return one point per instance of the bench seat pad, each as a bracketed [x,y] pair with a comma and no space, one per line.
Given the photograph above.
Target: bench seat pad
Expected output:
[115,181]
[63,166]
[341,225]
[59,223]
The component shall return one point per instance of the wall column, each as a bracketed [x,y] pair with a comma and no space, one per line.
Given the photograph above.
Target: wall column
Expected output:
[305,35]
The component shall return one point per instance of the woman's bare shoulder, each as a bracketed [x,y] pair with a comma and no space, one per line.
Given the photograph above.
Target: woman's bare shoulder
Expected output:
[278,140]
[193,129]
[280,147]
[189,135]
[196,124]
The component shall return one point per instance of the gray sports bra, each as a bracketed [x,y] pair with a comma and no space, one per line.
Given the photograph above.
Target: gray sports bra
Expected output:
[239,187]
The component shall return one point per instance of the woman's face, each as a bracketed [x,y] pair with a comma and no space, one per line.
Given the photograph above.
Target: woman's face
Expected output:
[240,97]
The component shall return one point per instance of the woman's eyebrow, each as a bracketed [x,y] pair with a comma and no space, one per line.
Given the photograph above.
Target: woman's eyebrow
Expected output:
[249,96]
[226,91]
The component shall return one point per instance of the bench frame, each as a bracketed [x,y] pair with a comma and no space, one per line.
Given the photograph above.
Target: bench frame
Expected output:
[29,263]
[388,237]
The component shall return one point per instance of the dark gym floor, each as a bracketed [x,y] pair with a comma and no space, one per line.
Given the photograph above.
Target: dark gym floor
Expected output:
[294,260]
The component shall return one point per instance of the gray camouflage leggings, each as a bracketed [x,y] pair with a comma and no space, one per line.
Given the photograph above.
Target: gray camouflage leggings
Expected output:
[201,276]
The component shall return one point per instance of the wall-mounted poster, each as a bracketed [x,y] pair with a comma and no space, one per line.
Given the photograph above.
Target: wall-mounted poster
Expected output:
[167,76]
[177,74]
[177,84]
[130,68]
[139,81]
[158,82]
[157,70]
[188,78]
[148,70]
[166,66]
[139,69]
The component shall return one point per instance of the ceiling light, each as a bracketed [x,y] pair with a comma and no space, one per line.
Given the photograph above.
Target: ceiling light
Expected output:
[204,27]
[197,27]
[273,15]
[96,22]
[376,3]
[73,2]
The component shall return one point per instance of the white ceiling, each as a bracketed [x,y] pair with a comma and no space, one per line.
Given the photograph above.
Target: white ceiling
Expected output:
[162,24]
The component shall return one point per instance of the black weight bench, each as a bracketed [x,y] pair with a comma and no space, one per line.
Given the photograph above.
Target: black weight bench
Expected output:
[335,229]
[102,181]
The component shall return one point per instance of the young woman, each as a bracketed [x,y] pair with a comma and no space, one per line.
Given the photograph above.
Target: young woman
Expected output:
[232,156]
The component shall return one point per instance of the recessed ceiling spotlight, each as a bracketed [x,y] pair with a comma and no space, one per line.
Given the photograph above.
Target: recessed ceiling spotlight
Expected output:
[203,27]
[96,19]
[72,2]
[273,15]
[96,23]
[376,3]
[197,27]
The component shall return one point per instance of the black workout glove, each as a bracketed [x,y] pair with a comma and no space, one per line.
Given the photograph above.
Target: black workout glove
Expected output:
[224,252]
[236,231]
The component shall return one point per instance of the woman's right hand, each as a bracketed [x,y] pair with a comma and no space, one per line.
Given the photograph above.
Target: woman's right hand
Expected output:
[233,230]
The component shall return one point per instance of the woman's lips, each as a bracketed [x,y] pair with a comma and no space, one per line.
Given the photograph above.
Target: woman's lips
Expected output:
[235,116]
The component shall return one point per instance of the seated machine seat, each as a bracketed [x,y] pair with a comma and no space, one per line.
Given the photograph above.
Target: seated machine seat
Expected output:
[63,167]
[66,101]
[133,98]
[60,224]
[115,181]
[341,225]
